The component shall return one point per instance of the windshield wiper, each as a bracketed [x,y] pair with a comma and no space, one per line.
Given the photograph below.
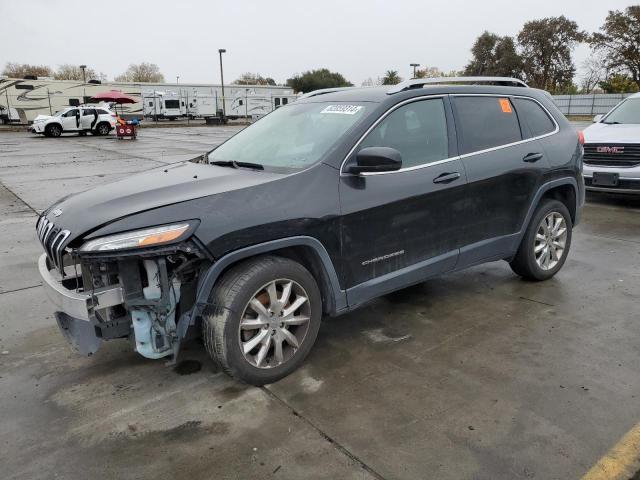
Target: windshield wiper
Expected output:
[612,123]
[234,164]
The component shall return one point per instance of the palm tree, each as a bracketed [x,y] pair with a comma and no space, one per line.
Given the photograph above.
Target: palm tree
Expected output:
[391,77]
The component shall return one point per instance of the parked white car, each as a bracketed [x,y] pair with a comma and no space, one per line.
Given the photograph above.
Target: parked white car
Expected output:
[612,149]
[98,120]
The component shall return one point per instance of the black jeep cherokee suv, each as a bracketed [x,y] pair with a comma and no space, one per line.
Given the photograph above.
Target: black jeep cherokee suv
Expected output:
[317,208]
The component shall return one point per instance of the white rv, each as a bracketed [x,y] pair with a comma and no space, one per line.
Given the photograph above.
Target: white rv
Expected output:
[163,104]
[245,103]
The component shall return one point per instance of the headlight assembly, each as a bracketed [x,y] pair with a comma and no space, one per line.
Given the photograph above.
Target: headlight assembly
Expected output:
[147,237]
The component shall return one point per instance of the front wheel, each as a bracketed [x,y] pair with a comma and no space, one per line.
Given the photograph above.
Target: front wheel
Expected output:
[53,130]
[265,318]
[546,242]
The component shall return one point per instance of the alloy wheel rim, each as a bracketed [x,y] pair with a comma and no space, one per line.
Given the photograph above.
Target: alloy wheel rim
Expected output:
[550,242]
[103,130]
[274,323]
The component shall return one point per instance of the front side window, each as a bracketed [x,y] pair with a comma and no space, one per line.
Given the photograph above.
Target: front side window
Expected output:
[627,112]
[486,122]
[536,118]
[71,113]
[291,137]
[418,130]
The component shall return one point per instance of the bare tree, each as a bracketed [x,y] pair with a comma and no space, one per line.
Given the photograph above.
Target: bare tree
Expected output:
[17,70]
[73,72]
[142,72]
[594,72]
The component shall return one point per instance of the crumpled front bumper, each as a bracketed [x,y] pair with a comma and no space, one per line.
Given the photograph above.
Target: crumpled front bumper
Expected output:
[74,308]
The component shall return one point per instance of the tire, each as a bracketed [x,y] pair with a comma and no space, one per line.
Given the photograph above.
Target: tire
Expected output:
[102,129]
[53,130]
[545,246]
[233,299]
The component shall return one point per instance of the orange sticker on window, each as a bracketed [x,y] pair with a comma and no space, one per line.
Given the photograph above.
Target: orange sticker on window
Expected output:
[505,105]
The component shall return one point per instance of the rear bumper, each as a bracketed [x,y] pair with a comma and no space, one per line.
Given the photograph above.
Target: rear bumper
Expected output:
[74,310]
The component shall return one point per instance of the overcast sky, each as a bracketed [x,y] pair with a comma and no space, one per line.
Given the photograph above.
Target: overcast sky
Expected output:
[277,38]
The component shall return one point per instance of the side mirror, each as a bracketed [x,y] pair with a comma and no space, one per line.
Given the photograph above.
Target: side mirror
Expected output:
[597,118]
[376,159]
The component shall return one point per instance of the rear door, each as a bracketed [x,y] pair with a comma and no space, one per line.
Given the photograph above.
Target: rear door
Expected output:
[504,170]
[88,118]
[398,227]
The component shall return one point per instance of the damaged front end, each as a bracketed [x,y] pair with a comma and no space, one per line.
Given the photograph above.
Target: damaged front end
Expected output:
[139,285]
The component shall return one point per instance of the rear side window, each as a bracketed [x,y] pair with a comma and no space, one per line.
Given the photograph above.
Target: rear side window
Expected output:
[535,117]
[418,130]
[486,122]
[88,111]
[102,112]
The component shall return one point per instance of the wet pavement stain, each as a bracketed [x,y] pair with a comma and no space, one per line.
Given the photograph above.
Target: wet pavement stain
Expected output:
[188,367]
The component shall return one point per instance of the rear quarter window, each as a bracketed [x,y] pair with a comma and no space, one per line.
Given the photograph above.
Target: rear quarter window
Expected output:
[534,116]
[486,122]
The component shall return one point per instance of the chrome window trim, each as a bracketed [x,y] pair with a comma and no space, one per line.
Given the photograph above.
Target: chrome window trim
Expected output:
[450,159]
[375,124]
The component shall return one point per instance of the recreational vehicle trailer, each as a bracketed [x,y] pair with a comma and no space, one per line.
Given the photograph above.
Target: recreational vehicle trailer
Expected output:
[31,98]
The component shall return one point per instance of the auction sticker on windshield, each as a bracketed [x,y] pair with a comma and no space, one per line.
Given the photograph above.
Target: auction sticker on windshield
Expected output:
[343,109]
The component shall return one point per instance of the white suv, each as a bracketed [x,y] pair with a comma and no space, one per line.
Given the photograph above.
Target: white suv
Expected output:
[98,120]
[612,149]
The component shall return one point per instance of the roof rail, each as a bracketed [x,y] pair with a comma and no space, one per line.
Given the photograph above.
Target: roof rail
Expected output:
[421,82]
[323,91]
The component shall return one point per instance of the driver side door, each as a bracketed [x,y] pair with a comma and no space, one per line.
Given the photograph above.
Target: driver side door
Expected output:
[401,227]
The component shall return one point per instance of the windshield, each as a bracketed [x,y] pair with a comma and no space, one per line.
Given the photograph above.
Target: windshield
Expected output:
[627,112]
[294,136]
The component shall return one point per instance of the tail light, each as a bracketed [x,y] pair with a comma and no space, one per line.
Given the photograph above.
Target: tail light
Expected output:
[581,137]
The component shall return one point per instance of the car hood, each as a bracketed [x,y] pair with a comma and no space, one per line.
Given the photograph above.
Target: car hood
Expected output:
[612,133]
[83,212]
[40,118]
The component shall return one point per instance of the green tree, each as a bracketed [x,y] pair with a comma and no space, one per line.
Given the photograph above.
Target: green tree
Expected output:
[619,41]
[253,79]
[17,70]
[545,48]
[316,79]
[619,83]
[494,56]
[142,72]
[391,77]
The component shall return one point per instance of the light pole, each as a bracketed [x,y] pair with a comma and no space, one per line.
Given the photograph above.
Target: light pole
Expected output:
[84,77]
[414,65]
[221,51]
[177,79]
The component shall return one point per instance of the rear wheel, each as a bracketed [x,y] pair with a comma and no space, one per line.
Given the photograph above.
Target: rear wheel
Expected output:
[266,316]
[53,130]
[102,129]
[546,242]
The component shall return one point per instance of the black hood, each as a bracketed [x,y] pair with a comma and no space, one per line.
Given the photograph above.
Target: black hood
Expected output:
[89,210]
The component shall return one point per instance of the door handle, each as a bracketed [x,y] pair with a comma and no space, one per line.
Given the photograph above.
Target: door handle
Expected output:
[446,177]
[532,157]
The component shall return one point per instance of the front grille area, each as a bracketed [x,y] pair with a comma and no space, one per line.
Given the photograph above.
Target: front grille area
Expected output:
[612,154]
[52,239]
[623,184]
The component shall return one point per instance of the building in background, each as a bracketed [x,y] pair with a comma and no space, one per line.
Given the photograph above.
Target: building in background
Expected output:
[45,96]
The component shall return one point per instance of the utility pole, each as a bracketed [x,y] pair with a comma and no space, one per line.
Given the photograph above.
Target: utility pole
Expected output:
[220,52]
[414,65]
[84,81]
